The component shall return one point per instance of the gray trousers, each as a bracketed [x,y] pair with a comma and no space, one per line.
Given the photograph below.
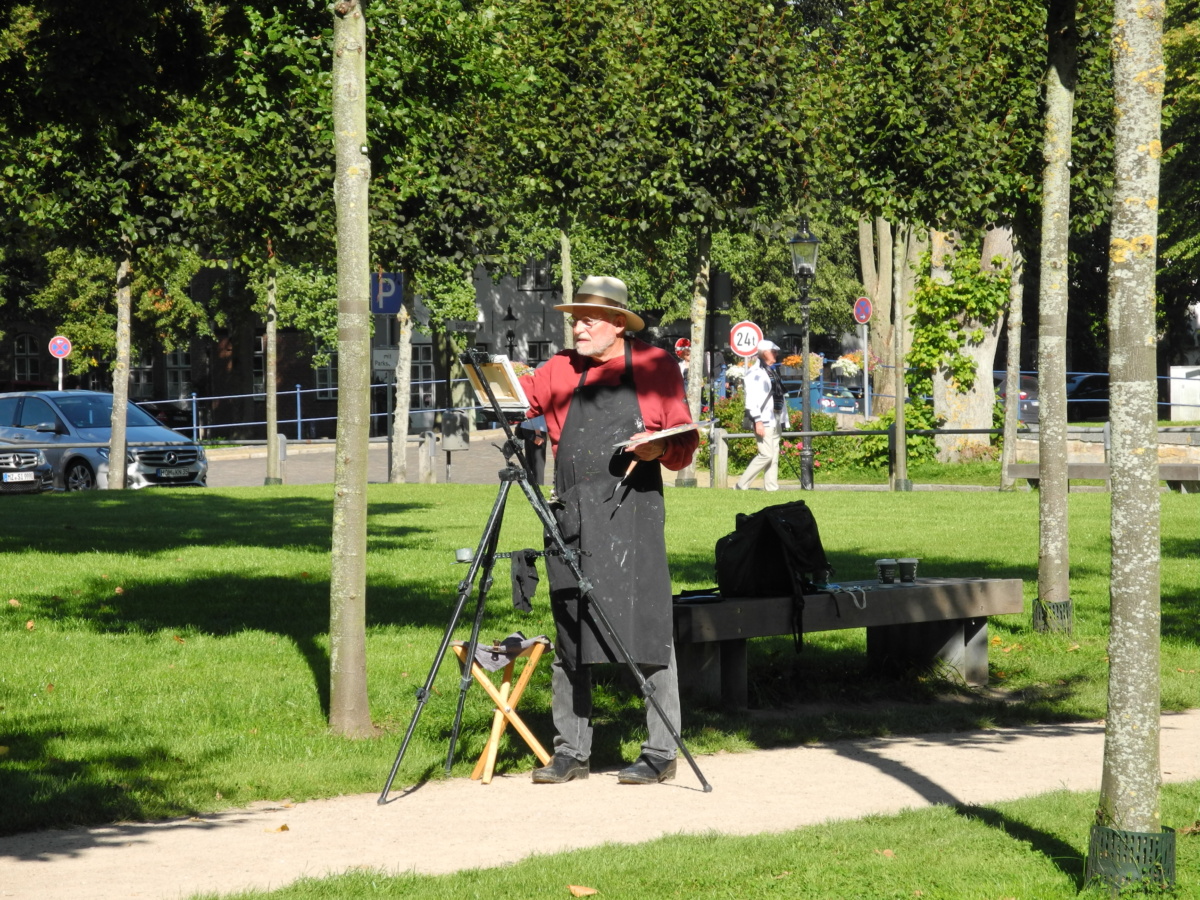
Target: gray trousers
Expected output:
[572,702]
[767,461]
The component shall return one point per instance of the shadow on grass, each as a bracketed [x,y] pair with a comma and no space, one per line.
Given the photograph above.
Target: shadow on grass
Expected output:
[107,786]
[1065,857]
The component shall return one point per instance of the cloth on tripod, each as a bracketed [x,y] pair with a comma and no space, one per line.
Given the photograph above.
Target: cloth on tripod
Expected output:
[524,576]
[496,656]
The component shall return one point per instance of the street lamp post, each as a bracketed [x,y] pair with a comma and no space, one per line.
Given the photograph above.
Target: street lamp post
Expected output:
[804,267]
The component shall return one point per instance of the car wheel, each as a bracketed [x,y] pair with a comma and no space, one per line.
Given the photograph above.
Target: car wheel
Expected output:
[79,476]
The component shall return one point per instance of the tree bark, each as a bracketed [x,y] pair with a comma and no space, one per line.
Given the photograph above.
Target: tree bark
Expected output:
[1012,373]
[1129,790]
[875,256]
[686,477]
[118,445]
[402,382]
[270,380]
[899,479]
[1054,577]
[349,714]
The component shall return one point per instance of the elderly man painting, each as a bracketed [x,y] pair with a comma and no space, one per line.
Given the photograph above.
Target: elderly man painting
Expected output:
[609,503]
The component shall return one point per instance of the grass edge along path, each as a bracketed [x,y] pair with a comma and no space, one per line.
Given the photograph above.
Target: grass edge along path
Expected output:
[1032,848]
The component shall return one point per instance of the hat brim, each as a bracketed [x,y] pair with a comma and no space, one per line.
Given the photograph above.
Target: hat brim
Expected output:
[633,322]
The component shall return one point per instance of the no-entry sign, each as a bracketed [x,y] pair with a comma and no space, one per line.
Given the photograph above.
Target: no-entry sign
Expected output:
[744,338]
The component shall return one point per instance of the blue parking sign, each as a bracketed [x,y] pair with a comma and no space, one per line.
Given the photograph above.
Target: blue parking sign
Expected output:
[387,292]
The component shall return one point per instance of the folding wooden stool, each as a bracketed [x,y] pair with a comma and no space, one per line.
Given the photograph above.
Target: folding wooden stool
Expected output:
[505,698]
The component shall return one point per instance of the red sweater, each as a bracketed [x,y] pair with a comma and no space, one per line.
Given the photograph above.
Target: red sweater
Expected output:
[660,394]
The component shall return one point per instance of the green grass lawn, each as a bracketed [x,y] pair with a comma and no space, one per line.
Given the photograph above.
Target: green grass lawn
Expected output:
[165,652]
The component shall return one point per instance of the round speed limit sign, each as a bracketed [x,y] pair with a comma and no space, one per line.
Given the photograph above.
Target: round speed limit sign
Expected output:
[744,338]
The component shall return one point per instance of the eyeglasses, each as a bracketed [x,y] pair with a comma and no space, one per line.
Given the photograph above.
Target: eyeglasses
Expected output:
[588,321]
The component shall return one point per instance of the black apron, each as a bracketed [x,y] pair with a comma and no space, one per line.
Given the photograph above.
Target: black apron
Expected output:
[619,528]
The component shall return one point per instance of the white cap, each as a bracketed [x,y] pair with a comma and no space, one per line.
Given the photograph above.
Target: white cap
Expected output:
[767,345]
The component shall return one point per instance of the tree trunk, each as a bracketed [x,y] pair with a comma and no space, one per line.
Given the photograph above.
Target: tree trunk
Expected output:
[973,408]
[348,711]
[1012,374]
[899,475]
[875,256]
[270,380]
[1054,560]
[568,286]
[1129,790]
[403,385]
[699,315]
[118,445]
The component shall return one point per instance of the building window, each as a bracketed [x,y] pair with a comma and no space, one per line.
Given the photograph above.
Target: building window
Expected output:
[179,374]
[141,378]
[539,352]
[421,374]
[27,363]
[327,378]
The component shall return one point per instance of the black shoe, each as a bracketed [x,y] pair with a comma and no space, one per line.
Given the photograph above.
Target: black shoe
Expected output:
[561,769]
[648,770]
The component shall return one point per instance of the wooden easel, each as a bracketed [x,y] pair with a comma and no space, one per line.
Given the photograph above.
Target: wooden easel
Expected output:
[505,698]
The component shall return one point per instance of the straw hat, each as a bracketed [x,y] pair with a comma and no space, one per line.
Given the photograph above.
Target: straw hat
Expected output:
[600,293]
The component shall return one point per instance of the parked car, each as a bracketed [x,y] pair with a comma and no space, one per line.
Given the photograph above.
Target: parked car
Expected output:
[823,398]
[24,471]
[55,420]
[1087,397]
[1027,399]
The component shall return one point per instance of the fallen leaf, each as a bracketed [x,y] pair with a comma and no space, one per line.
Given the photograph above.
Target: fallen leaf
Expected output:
[997,640]
[119,590]
[1008,649]
[220,796]
[578,890]
[1001,674]
[1187,829]
[304,575]
[105,577]
[1072,648]
[888,853]
[29,625]
[277,830]
[13,601]
[49,688]
[178,638]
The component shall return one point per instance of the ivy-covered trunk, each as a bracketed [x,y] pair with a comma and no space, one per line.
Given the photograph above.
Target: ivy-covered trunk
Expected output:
[349,713]
[1054,582]
[875,258]
[118,445]
[1129,791]
[271,379]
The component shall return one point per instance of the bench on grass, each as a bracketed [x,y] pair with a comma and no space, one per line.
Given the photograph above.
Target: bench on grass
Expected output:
[930,622]
[1183,478]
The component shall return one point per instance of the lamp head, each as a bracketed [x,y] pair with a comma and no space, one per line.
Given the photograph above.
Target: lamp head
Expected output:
[803,245]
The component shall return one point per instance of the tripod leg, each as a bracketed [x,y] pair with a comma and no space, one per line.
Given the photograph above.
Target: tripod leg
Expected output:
[488,539]
[485,585]
[570,557]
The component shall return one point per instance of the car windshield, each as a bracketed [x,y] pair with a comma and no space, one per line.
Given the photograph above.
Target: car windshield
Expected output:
[95,411]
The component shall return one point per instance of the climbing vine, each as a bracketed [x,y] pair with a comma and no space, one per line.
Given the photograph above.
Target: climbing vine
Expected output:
[949,317]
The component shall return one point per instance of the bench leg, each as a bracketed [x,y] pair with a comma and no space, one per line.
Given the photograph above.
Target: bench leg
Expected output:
[735,691]
[960,644]
[700,671]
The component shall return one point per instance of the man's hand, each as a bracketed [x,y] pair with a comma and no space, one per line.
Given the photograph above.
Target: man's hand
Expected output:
[648,448]
[759,428]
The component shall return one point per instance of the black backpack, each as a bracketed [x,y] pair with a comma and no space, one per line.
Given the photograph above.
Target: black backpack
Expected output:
[775,552]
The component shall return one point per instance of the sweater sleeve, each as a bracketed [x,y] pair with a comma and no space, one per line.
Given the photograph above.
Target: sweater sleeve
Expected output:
[664,404]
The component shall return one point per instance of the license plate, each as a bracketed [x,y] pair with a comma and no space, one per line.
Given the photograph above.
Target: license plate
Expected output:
[19,476]
[173,473]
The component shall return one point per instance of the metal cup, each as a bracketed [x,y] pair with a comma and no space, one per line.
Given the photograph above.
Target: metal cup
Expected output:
[908,569]
[887,570]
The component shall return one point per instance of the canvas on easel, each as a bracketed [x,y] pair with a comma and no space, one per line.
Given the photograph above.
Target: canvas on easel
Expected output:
[502,379]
